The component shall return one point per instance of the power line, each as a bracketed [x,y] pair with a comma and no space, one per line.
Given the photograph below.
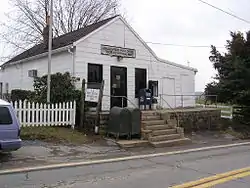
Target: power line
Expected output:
[226,12]
[182,45]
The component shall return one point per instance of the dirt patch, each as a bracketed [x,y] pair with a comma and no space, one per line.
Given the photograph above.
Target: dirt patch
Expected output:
[211,137]
[59,135]
[242,134]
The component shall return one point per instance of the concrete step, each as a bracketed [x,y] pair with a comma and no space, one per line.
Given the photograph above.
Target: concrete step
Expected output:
[172,126]
[172,122]
[150,117]
[157,127]
[132,143]
[164,132]
[164,137]
[153,122]
[168,143]
[149,112]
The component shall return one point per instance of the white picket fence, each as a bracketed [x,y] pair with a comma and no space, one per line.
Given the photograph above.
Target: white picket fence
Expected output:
[36,114]
[226,111]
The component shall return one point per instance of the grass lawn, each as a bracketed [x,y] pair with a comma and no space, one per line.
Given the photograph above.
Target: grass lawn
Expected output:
[57,135]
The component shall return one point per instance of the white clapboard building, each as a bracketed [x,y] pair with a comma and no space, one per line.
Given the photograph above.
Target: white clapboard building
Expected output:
[109,50]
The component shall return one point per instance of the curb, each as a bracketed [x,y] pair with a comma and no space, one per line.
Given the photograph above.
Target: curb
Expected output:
[85,163]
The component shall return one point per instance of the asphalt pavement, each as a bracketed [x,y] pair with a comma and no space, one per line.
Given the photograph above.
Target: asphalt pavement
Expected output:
[160,172]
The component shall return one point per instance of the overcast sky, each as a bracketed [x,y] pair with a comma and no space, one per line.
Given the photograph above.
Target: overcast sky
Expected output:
[187,22]
[184,22]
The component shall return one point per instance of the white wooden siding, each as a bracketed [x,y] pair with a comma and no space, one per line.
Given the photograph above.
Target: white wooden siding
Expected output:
[187,90]
[168,92]
[17,75]
[117,34]
[88,51]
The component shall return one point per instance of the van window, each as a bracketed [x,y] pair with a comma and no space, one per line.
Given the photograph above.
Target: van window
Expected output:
[5,116]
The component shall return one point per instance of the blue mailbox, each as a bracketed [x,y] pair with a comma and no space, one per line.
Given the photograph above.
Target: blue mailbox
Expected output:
[145,98]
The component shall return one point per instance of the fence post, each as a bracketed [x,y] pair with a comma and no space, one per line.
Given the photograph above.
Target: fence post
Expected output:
[74,115]
[122,101]
[63,114]
[21,119]
[41,114]
[45,121]
[82,116]
[56,114]
[232,111]
[99,108]
[33,114]
[182,101]
[59,114]
[37,114]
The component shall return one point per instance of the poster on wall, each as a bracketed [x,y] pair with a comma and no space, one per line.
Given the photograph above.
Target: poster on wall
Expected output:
[92,95]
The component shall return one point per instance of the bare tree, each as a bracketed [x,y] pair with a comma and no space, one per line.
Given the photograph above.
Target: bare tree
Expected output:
[25,23]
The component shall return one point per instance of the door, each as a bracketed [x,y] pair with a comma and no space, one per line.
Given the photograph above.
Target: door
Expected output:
[187,90]
[140,80]
[168,91]
[118,86]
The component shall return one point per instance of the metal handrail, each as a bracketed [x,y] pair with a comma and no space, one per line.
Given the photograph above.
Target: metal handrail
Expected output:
[122,100]
[176,115]
[180,95]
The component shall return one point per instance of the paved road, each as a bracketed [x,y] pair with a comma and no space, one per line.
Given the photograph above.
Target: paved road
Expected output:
[160,172]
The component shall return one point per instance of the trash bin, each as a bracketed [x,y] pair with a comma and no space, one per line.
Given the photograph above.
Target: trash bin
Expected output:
[145,98]
[119,123]
[135,122]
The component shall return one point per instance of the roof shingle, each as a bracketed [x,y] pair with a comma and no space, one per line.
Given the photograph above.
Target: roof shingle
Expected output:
[61,41]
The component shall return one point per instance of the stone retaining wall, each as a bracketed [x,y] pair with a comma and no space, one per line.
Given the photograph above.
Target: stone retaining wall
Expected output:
[195,119]
[91,118]
[190,119]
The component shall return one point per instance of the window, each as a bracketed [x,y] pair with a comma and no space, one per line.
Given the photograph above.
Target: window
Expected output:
[153,85]
[95,73]
[140,80]
[5,116]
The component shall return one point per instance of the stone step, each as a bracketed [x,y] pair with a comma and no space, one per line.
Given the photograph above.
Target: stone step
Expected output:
[172,126]
[150,117]
[157,127]
[168,143]
[164,137]
[164,132]
[172,122]
[153,122]
[149,112]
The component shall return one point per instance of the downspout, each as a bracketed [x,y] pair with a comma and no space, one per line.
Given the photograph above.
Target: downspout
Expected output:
[72,52]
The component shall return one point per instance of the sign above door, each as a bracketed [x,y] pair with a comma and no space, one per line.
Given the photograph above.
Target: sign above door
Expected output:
[118,51]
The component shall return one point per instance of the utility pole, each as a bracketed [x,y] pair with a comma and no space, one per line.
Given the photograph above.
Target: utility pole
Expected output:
[49,51]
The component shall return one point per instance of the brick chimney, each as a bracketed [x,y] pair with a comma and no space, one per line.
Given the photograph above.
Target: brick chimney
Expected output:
[46,33]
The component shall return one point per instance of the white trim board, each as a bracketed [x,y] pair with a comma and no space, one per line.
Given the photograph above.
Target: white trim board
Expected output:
[58,50]
[140,39]
[95,31]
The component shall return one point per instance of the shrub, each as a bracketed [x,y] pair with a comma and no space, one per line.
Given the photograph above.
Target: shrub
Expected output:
[62,88]
[18,94]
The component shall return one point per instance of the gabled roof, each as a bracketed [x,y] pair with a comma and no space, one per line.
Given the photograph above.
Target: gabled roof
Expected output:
[61,41]
[73,38]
